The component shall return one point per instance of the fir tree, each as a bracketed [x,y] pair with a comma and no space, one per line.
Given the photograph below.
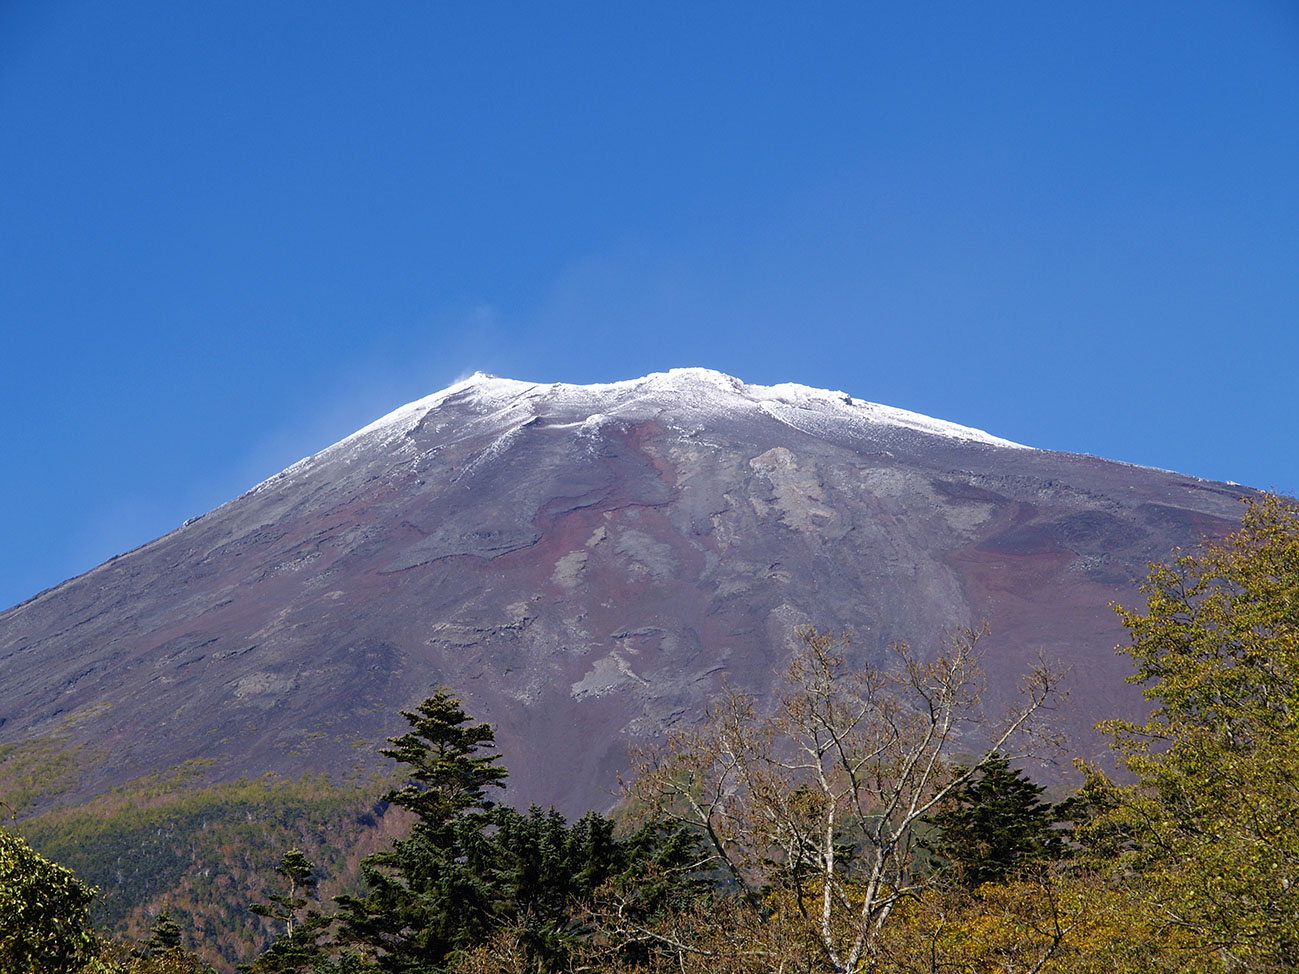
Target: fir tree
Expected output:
[995,826]
[429,895]
[297,948]
[164,935]
[471,870]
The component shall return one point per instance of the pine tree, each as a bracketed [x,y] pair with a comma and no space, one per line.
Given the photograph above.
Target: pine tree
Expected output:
[298,946]
[995,825]
[164,934]
[471,871]
[429,895]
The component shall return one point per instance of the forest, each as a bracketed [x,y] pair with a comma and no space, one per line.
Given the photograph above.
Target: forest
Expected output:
[839,830]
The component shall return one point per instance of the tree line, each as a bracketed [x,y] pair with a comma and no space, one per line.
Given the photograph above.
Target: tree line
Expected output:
[834,831]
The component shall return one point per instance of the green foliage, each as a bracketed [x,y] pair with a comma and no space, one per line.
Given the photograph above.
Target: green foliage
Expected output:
[544,871]
[37,771]
[203,852]
[995,826]
[165,934]
[471,871]
[1211,821]
[448,775]
[122,958]
[428,895]
[538,866]
[44,924]
[298,873]
[298,947]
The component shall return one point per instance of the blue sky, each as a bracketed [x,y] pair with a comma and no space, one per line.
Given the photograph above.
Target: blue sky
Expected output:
[232,233]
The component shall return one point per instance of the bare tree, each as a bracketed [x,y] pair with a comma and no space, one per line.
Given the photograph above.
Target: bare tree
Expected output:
[813,809]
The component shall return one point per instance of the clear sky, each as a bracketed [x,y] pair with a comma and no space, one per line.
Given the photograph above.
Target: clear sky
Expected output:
[231,233]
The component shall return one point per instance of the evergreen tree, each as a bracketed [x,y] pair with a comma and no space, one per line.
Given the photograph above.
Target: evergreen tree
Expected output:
[538,867]
[995,825]
[297,948]
[164,934]
[471,870]
[544,874]
[429,895]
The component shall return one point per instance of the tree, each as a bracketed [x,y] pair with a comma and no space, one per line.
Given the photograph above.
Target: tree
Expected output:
[813,811]
[1211,820]
[298,946]
[123,958]
[552,881]
[164,935]
[476,882]
[44,925]
[428,895]
[539,867]
[995,826]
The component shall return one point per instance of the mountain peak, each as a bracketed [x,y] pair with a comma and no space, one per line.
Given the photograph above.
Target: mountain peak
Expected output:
[679,396]
[588,565]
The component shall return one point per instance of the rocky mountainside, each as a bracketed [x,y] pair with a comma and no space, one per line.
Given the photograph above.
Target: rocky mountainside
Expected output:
[586,566]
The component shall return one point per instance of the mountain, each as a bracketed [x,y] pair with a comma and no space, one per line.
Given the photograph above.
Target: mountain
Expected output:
[586,566]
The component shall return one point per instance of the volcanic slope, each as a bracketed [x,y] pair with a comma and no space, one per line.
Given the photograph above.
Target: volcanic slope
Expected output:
[587,566]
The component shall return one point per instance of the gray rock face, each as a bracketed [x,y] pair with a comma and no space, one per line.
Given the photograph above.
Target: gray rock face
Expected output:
[587,566]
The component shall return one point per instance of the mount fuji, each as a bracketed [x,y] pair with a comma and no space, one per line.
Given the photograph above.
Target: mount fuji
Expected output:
[586,566]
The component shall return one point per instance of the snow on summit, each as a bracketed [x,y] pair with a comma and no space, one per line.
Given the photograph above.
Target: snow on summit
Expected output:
[489,409]
[679,393]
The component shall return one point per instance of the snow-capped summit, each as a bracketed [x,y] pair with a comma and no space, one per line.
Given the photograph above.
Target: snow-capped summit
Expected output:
[684,396]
